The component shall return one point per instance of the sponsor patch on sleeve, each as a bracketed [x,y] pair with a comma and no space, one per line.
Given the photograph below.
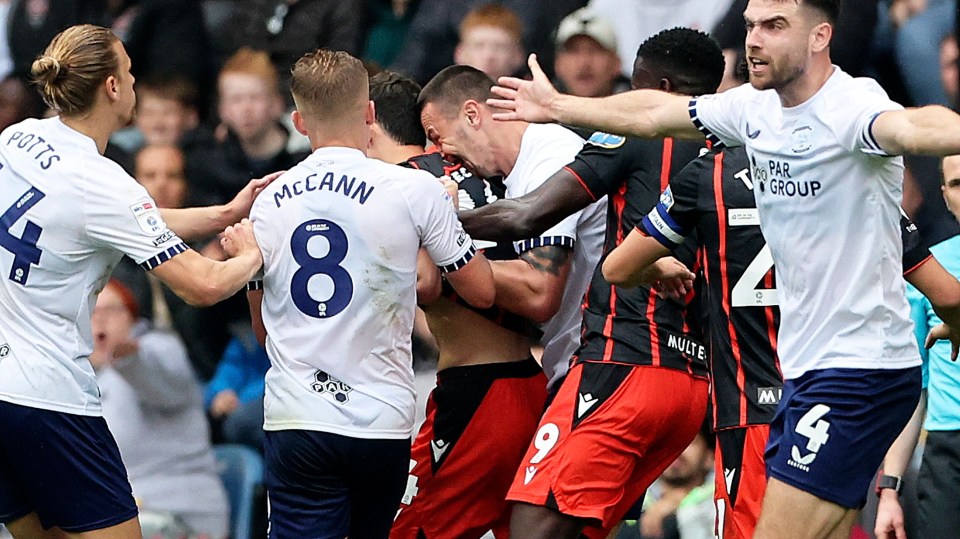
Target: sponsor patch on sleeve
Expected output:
[606,140]
[148,217]
[666,198]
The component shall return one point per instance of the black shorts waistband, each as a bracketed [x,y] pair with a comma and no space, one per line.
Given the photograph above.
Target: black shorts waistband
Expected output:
[525,368]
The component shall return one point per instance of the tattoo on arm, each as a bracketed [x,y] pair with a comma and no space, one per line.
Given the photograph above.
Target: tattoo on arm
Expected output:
[547,259]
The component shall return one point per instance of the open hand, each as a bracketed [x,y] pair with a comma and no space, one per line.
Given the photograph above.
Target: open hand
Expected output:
[944,332]
[527,100]
[239,207]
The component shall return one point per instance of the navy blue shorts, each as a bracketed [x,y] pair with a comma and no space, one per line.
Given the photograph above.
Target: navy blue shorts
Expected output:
[322,485]
[66,468]
[834,426]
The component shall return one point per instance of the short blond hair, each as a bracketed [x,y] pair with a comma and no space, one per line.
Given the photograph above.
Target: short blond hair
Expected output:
[248,61]
[329,85]
[70,71]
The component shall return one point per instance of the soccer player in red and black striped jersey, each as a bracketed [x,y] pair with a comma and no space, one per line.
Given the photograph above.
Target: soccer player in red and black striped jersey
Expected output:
[612,419]
[490,392]
[713,198]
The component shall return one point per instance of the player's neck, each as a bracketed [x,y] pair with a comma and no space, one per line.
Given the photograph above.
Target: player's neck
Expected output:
[399,154]
[342,140]
[95,125]
[808,84]
[506,145]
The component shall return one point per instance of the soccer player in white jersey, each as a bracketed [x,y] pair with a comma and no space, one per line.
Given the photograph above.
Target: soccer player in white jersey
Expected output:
[548,282]
[822,148]
[67,215]
[340,234]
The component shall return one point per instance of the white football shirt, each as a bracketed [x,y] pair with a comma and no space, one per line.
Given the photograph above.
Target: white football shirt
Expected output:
[67,215]
[545,149]
[339,235]
[828,198]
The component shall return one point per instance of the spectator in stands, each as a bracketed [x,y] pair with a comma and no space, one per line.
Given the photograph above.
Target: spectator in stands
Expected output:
[287,29]
[387,24]
[949,74]
[18,101]
[164,38]
[152,404]
[204,331]
[167,109]
[434,32]
[32,24]
[587,63]
[914,30]
[491,40]
[234,396]
[679,505]
[250,141]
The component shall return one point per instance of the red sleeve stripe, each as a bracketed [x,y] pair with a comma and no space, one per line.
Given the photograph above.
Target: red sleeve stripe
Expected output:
[582,183]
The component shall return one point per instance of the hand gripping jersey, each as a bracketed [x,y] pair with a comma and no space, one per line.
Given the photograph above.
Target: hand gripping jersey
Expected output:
[67,216]
[634,325]
[828,200]
[339,235]
[713,196]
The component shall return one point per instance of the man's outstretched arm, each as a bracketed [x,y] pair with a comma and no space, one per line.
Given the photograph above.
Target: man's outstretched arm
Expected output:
[530,215]
[930,130]
[640,113]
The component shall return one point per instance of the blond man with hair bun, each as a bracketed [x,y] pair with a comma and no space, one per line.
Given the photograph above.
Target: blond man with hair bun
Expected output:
[67,216]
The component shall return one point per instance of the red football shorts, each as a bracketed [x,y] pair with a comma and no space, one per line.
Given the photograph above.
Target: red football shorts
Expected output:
[480,419]
[609,433]
[741,480]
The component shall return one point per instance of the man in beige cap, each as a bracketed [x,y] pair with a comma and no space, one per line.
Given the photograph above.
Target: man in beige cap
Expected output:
[587,63]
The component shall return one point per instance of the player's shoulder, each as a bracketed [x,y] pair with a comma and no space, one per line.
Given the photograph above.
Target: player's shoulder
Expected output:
[745,93]
[550,138]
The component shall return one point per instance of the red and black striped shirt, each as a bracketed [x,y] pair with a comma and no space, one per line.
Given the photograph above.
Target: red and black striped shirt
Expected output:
[633,325]
[713,198]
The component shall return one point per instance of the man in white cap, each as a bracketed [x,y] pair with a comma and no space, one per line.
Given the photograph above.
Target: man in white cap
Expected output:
[587,63]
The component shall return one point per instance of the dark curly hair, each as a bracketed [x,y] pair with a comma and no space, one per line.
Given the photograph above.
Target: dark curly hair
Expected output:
[692,60]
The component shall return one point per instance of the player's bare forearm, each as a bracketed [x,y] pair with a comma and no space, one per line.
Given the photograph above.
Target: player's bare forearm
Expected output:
[628,264]
[532,286]
[931,130]
[899,454]
[638,113]
[474,282]
[941,288]
[193,224]
[501,221]
[429,284]
[255,300]
[530,215]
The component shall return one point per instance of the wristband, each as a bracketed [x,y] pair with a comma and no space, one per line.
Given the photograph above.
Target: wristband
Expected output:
[254,285]
[889,481]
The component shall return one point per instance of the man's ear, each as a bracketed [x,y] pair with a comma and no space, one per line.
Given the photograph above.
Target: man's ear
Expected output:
[298,122]
[371,113]
[112,86]
[473,112]
[665,85]
[820,36]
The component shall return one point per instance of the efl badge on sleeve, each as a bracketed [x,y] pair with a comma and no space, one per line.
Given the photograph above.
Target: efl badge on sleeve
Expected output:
[147,217]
